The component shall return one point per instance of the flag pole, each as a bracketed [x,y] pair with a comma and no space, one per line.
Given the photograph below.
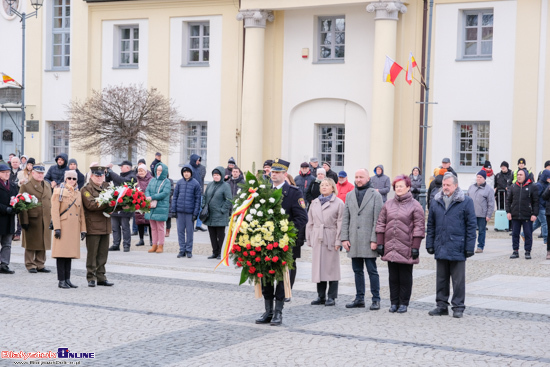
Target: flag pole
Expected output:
[422,76]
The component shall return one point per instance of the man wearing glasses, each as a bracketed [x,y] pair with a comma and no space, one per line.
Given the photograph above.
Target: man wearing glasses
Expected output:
[37,236]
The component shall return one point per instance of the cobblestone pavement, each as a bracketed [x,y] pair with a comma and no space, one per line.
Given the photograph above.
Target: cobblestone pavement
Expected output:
[164,311]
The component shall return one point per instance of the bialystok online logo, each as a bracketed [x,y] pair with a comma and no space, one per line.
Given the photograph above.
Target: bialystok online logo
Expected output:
[63,353]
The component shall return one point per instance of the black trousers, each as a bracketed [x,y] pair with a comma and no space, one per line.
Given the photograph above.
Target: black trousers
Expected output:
[401,281]
[269,291]
[332,289]
[141,231]
[447,270]
[63,268]
[169,223]
[217,235]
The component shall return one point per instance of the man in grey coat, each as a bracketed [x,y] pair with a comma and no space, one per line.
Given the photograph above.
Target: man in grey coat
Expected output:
[358,237]
[484,204]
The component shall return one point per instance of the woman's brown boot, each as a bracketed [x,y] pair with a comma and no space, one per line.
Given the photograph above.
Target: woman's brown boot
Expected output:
[153,249]
[160,249]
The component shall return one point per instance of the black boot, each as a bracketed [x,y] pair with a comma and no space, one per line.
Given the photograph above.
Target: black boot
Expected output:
[277,319]
[114,248]
[63,284]
[140,243]
[68,281]
[268,314]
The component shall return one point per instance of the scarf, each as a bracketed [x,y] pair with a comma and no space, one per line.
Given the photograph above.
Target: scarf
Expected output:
[6,184]
[324,199]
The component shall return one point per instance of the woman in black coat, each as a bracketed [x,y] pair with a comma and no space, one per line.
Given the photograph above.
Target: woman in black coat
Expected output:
[7,217]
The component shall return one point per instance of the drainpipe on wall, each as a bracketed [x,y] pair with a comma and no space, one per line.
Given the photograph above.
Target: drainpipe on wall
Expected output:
[423,72]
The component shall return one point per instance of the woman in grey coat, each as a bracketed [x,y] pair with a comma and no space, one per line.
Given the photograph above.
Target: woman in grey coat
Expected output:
[218,198]
[380,182]
[323,235]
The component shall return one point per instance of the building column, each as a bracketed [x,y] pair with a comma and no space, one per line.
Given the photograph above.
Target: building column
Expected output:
[382,120]
[253,87]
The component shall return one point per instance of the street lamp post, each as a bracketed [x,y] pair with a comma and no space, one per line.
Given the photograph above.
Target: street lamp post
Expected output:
[36,4]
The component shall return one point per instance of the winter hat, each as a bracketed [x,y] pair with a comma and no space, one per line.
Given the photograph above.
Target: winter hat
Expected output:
[304,165]
[141,161]
[521,160]
[269,163]
[142,166]
[328,164]
[321,170]
[483,174]
[487,164]
[505,164]
[442,171]
[72,160]
[546,164]
[31,161]
[231,160]
[70,173]
[186,169]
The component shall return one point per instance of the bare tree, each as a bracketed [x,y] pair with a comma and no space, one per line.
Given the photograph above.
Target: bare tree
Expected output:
[121,117]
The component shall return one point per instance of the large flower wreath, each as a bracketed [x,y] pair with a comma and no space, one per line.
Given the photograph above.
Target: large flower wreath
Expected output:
[260,236]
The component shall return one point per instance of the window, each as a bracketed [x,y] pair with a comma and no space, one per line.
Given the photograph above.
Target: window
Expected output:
[61,44]
[473,144]
[332,38]
[195,141]
[478,34]
[331,146]
[129,46]
[199,43]
[58,139]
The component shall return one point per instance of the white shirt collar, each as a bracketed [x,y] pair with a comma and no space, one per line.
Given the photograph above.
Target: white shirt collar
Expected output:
[281,185]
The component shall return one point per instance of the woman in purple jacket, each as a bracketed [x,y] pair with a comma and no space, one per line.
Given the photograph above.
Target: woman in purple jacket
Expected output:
[399,231]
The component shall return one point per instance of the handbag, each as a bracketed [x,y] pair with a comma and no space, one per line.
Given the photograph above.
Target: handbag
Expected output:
[154,203]
[63,212]
[205,212]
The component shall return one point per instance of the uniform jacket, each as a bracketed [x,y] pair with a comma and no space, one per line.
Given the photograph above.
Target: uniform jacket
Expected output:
[303,181]
[323,234]
[359,223]
[56,172]
[38,237]
[218,197]
[401,219]
[484,200]
[382,183]
[523,200]
[7,221]
[159,189]
[142,184]
[294,205]
[96,222]
[187,196]
[343,189]
[122,179]
[313,191]
[452,232]
[71,223]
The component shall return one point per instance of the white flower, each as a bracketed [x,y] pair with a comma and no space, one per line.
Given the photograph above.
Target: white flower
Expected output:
[270,211]
[262,186]
[249,218]
[271,200]
[282,211]
[236,205]
[257,206]
[238,191]
[252,182]
[242,196]
[260,214]
[255,194]
[252,211]
[262,201]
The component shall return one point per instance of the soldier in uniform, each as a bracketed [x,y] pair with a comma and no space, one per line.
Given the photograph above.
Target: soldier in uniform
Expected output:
[98,227]
[37,236]
[294,205]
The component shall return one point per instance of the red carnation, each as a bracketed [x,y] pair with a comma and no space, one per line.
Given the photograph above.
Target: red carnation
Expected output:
[233,250]
[238,248]
[276,244]
[285,249]
[272,272]
[252,270]
[115,193]
[284,262]
[270,247]
[245,253]
[126,186]
[248,263]
[275,259]
[258,259]
[112,203]
[138,207]
[248,246]
[240,259]
[267,258]
[128,192]
[258,249]
[119,201]
[260,275]
[252,253]
[133,201]
[239,264]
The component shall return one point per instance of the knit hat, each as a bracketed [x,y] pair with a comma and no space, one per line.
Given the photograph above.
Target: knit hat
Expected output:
[70,173]
[483,174]
[321,170]
[72,160]
[141,161]
[442,171]
[328,164]
[505,164]
[231,160]
[142,166]
[521,160]
[487,164]
[186,169]
[269,163]
[31,160]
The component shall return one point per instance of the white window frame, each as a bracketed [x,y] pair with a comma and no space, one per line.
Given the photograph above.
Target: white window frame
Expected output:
[477,162]
[131,51]
[64,32]
[187,150]
[330,156]
[479,40]
[201,37]
[51,152]
[320,32]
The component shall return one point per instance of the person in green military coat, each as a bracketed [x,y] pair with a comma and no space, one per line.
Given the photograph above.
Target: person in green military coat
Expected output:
[159,189]
[218,197]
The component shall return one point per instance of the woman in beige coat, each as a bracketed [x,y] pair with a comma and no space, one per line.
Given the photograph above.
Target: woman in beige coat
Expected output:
[323,235]
[69,227]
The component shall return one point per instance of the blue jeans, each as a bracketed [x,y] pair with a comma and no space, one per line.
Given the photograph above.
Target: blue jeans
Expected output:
[185,232]
[481,226]
[374,279]
[199,222]
[541,222]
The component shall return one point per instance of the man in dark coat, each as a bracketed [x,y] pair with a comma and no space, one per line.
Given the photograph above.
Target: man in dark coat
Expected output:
[157,160]
[446,163]
[522,206]
[294,205]
[304,178]
[229,169]
[235,179]
[120,220]
[329,172]
[313,165]
[451,236]
[199,173]
[56,173]
[81,179]
[7,218]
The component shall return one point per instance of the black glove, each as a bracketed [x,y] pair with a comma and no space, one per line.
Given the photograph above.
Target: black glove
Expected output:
[469,253]
[82,236]
[430,250]
[57,233]
[380,250]
[25,227]
[194,218]
[9,210]
[414,253]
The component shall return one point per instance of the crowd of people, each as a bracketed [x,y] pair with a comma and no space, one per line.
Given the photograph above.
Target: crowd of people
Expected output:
[359,217]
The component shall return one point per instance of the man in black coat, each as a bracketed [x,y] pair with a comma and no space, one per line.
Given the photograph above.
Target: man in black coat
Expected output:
[157,160]
[56,173]
[7,217]
[120,220]
[294,205]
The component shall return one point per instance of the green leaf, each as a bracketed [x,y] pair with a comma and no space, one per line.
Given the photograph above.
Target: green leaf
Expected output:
[250,176]
[244,276]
